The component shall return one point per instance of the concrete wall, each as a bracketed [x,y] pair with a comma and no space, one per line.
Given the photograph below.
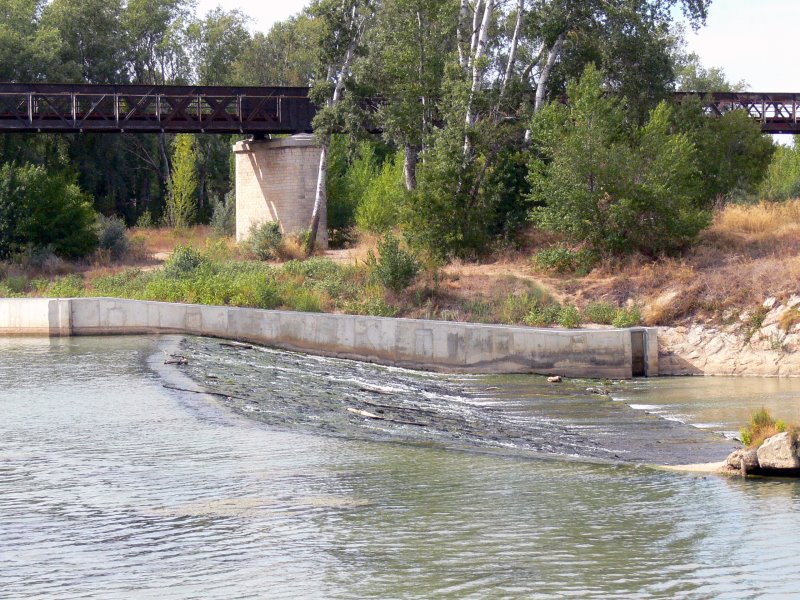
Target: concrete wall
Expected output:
[276,180]
[432,345]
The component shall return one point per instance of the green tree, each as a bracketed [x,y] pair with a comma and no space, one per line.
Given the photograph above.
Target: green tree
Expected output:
[41,209]
[29,50]
[182,198]
[692,76]
[782,180]
[614,186]
[217,41]
[155,41]
[732,153]
[285,55]
[409,46]
[92,40]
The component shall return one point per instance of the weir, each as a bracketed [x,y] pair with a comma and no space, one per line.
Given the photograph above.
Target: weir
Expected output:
[412,343]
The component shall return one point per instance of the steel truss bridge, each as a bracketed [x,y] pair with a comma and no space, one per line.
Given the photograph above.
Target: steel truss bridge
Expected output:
[80,108]
[256,111]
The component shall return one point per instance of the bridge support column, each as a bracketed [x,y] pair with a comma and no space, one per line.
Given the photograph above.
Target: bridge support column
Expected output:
[276,180]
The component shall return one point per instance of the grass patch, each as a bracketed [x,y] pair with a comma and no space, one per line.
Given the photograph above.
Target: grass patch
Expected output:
[560,259]
[760,427]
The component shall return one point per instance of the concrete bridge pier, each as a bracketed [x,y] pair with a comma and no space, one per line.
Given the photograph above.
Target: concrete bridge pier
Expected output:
[276,180]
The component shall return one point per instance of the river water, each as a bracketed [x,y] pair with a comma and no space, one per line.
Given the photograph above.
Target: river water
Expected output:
[115,486]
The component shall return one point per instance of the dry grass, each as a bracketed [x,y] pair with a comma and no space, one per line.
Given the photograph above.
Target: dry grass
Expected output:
[163,240]
[357,253]
[291,248]
[747,255]
[768,219]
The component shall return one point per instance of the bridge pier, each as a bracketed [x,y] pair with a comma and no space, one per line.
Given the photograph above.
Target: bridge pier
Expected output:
[276,180]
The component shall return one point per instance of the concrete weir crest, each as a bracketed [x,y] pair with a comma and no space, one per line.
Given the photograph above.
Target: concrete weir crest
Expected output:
[412,343]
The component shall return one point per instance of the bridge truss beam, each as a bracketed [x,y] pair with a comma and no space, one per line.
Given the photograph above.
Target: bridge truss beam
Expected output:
[151,109]
[776,112]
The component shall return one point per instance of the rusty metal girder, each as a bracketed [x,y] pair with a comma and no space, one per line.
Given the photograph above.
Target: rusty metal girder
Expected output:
[255,110]
[152,109]
[776,112]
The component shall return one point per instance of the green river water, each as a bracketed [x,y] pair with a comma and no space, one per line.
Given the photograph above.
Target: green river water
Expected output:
[115,484]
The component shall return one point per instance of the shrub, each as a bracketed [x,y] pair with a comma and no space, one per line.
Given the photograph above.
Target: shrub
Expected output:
[378,210]
[601,313]
[111,236]
[223,215]
[265,239]
[69,286]
[542,315]
[533,307]
[294,246]
[145,220]
[41,209]
[561,259]
[40,259]
[760,427]
[184,261]
[395,268]
[137,248]
[627,317]
[569,317]
[301,299]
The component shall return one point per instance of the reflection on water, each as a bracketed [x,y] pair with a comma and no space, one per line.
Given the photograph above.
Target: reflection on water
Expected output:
[113,487]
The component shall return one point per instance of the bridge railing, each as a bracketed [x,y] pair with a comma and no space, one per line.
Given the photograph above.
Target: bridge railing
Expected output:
[153,109]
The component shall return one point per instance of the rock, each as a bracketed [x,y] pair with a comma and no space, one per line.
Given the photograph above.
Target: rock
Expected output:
[770,302]
[750,458]
[554,379]
[778,452]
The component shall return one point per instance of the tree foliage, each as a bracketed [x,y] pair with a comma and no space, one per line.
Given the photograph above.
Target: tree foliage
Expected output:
[41,209]
[614,186]
[182,200]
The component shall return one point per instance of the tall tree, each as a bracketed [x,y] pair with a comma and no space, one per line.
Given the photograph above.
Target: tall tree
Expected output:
[284,56]
[92,42]
[342,25]
[409,45]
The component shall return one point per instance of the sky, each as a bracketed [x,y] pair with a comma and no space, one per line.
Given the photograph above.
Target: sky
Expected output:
[262,12]
[753,40]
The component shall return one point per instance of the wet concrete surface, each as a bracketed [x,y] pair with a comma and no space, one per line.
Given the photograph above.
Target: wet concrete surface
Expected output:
[516,415]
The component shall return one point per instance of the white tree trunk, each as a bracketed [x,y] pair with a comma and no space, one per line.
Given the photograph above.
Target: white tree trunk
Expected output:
[512,52]
[463,15]
[544,76]
[477,70]
[410,166]
[320,196]
[322,173]
[475,34]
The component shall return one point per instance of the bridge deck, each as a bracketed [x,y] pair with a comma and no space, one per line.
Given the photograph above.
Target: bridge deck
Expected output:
[253,110]
[149,109]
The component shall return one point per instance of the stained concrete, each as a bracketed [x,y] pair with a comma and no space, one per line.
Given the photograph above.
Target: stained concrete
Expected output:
[421,344]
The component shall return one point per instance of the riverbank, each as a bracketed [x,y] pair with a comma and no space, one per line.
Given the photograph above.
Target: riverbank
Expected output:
[729,306]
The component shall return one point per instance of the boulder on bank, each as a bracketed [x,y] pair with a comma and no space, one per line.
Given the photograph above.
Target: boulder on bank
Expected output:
[743,455]
[777,455]
[779,452]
